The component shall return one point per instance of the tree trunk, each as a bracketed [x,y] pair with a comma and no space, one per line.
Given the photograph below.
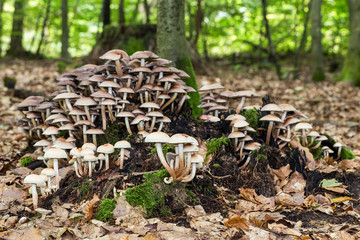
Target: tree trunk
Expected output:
[45,23]
[37,26]
[317,61]
[1,23]
[65,30]
[171,43]
[106,13]
[121,13]
[198,22]
[351,69]
[136,11]
[16,46]
[300,49]
[147,11]
[268,36]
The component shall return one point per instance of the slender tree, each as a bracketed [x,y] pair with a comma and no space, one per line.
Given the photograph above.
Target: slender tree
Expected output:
[351,69]
[1,23]
[317,61]
[106,13]
[45,23]
[136,11]
[171,42]
[65,30]
[199,17]
[121,13]
[16,45]
[147,11]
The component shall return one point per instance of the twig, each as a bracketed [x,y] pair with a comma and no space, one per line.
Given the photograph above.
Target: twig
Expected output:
[142,173]
[217,177]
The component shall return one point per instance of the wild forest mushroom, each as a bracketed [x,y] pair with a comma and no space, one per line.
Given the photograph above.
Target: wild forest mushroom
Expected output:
[122,145]
[34,180]
[339,146]
[49,172]
[106,149]
[55,154]
[196,159]
[90,159]
[271,119]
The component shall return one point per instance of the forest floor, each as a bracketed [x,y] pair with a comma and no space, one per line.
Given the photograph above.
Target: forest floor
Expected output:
[332,108]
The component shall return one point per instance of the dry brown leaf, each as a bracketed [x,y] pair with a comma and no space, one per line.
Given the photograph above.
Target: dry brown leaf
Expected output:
[305,152]
[13,193]
[296,183]
[349,164]
[341,199]
[285,200]
[280,228]
[237,222]
[250,195]
[89,208]
[310,201]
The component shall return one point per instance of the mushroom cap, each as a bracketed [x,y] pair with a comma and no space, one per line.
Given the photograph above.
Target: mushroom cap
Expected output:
[63,96]
[139,118]
[271,118]
[236,135]
[60,119]
[227,94]
[34,179]
[321,138]
[55,153]
[193,141]
[102,94]
[69,126]
[239,123]
[215,86]
[291,120]
[191,148]
[101,157]
[247,94]
[178,138]
[63,145]
[90,158]
[143,133]
[197,158]
[42,143]
[89,145]
[338,145]
[114,55]
[252,146]
[106,148]
[75,152]
[150,105]
[84,122]
[125,114]
[234,116]
[157,137]
[109,84]
[144,55]
[271,108]
[108,102]
[51,131]
[126,90]
[94,131]
[302,125]
[163,119]
[122,144]
[86,151]
[167,79]
[313,134]
[154,114]
[85,101]
[287,107]
[48,172]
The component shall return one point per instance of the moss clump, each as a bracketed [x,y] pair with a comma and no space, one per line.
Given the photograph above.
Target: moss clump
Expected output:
[26,161]
[9,82]
[347,154]
[150,194]
[105,210]
[84,188]
[214,145]
[317,153]
[112,134]
[252,117]
[165,148]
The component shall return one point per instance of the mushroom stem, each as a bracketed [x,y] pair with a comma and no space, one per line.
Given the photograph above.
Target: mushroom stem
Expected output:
[187,168]
[190,177]
[160,127]
[127,125]
[241,104]
[181,103]
[339,153]
[118,67]
[68,104]
[90,169]
[57,176]
[246,163]
[138,84]
[169,102]
[87,113]
[106,161]
[103,117]
[84,134]
[76,169]
[122,153]
[268,135]
[94,139]
[163,160]
[152,124]
[303,137]
[34,195]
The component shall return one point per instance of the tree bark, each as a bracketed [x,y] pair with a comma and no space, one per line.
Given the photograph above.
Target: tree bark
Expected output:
[351,69]
[121,13]
[106,13]
[16,46]
[1,23]
[65,30]
[171,43]
[136,11]
[147,11]
[199,17]
[268,36]
[300,49]
[317,61]
[45,23]
[37,26]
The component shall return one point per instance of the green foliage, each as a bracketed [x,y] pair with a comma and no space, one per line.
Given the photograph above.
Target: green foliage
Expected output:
[165,148]
[84,188]
[25,161]
[105,210]
[317,153]
[214,145]
[150,194]
[347,154]
[262,158]
[61,66]
[9,82]
[129,137]
[252,117]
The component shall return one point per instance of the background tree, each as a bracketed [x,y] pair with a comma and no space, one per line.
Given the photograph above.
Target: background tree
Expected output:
[317,61]
[45,23]
[16,45]
[65,30]
[171,42]
[1,23]
[351,69]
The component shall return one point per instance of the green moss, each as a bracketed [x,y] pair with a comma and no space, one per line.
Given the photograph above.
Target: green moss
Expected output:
[252,117]
[105,210]
[216,165]
[61,66]
[347,154]
[165,148]
[214,145]
[9,82]
[84,188]
[150,194]
[317,153]
[25,161]
[129,137]
[191,195]
[185,64]
[262,158]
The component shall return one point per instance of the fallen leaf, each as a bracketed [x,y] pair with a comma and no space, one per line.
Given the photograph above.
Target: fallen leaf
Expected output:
[341,199]
[237,222]
[89,208]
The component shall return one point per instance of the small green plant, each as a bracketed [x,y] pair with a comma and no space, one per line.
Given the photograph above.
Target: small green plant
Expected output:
[214,145]
[347,154]
[262,158]
[216,165]
[165,148]
[26,161]
[252,117]
[129,137]
[150,194]
[104,213]
[61,66]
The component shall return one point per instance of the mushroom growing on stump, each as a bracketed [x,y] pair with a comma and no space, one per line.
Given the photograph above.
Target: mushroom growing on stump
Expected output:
[126,115]
[122,145]
[34,180]
[271,119]
[303,127]
[106,149]
[116,55]
[160,138]
[243,95]
[86,102]
[196,159]
[55,154]
[178,140]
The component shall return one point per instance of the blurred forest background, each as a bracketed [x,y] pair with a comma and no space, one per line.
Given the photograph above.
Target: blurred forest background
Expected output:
[280,35]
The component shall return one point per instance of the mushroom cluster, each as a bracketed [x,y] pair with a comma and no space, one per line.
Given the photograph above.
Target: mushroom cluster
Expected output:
[182,163]
[133,89]
[213,103]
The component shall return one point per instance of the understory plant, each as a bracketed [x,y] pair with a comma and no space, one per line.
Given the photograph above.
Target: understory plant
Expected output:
[104,213]
[214,144]
[26,161]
